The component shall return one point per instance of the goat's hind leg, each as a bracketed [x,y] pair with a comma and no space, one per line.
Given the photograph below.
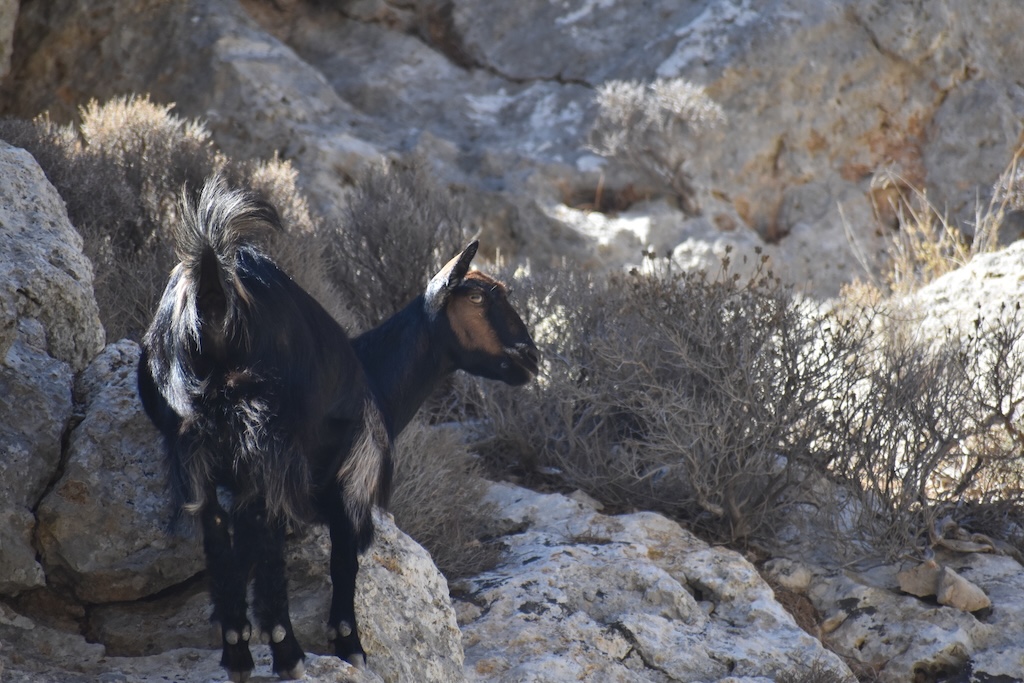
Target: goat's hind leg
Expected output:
[264,541]
[228,584]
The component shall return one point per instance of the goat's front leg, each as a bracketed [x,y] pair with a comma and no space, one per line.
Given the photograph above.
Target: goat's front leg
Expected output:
[341,624]
[264,543]
[228,583]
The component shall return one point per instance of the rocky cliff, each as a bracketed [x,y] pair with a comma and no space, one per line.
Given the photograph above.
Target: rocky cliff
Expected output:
[818,100]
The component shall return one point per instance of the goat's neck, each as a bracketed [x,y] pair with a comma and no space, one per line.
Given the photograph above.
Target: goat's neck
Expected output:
[403,363]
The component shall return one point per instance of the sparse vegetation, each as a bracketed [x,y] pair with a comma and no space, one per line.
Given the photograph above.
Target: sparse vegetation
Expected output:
[400,228]
[725,401]
[654,129]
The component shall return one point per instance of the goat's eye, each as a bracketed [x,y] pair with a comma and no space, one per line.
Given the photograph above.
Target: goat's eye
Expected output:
[476,297]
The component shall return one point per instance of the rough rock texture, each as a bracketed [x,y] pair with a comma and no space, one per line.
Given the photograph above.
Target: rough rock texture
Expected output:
[407,623]
[8,16]
[35,401]
[982,289]
[584,596]
[44,654]
[867,620]
[818,99]
[49,327]
[103,529]
[42,269]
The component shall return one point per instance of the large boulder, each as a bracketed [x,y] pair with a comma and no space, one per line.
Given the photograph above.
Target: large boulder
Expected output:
[49,327]
[104,527]
[43,273]
[635,597]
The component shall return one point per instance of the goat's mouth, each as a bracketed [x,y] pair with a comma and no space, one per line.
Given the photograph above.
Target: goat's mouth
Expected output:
[521,364]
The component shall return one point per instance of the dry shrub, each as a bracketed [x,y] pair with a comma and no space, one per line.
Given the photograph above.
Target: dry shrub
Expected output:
[725,402]
[120,173]
[398,229]
[924,435]
[654,129]
[678,392]
[437,499]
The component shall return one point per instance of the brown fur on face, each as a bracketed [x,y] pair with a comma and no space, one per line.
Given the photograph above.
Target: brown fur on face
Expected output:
[489,331]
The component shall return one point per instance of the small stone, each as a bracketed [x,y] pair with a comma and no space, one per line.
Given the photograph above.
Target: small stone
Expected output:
[922,580]
[956,591]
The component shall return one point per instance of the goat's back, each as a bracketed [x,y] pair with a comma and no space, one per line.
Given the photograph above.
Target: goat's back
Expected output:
[253,384]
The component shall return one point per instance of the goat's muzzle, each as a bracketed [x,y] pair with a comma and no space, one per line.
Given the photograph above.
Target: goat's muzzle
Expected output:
[526,361]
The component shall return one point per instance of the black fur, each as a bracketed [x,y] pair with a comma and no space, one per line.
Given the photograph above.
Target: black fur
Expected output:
[256,389]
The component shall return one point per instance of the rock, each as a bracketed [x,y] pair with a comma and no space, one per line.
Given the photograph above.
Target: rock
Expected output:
[42,268]
[922,580]
[794,576]
[817,100]
[956,591]
[8,15]
[33,653]
[49,327]
[901,636]
[104,528]
[406,619]
[35,401]
[633,597]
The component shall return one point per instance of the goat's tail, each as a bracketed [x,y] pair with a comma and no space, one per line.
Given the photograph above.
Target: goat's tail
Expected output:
[365,476]
[213,227]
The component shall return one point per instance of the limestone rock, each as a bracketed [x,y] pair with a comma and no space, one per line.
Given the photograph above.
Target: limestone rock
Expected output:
[32,653]
[902,636]
[35,401]
[406,620]
[956,591]
[42,268]
[104,526]
[626,598]
[922,580]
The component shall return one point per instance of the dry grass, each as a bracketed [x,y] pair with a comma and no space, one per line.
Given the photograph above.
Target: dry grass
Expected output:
[437,499]
[926,243]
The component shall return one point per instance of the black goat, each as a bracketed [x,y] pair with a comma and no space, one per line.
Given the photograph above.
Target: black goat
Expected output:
[259,392]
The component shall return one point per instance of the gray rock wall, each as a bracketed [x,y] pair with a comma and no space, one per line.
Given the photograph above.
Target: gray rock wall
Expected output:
[818,98]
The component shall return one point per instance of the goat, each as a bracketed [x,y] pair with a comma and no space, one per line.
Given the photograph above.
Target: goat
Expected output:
[257,390]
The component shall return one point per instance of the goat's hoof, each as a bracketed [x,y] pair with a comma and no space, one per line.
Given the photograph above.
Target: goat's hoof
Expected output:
[293,674]
[236,658]
[357,660]
[288,654]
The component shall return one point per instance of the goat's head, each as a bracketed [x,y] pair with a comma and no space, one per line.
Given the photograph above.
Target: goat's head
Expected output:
[485,335]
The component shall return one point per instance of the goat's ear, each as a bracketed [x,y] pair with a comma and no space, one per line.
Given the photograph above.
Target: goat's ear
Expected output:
[448,278]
